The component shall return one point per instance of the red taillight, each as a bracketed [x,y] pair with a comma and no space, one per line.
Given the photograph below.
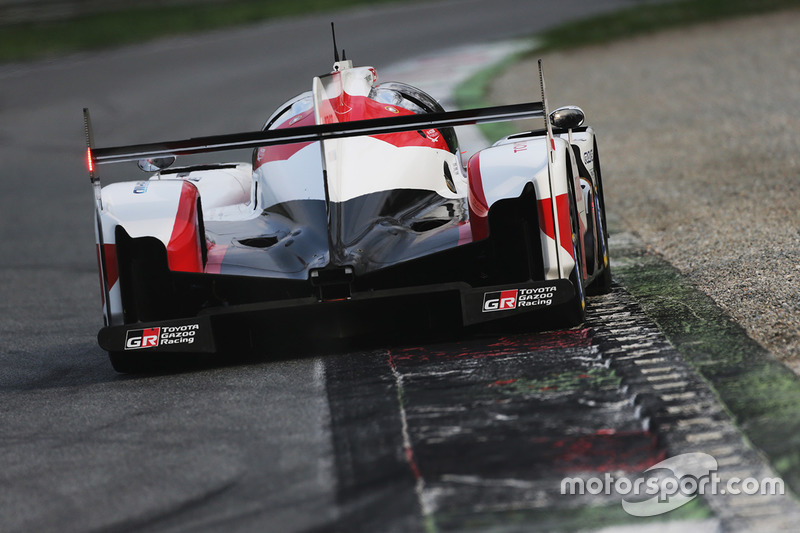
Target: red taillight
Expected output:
[89,160]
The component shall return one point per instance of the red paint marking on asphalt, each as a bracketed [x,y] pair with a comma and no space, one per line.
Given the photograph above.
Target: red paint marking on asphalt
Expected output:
[412,463]
[604,451]
[409,452]
[504,346]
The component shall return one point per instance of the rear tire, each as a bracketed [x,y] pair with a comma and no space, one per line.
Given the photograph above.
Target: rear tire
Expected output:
[601,284]
[575,311]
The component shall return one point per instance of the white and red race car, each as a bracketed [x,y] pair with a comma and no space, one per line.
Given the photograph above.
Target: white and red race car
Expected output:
[357,213]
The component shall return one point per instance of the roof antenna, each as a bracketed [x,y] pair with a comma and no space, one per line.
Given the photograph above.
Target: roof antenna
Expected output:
[335,49]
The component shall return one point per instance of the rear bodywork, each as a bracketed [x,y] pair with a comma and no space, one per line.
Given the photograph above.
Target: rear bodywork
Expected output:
[357,213]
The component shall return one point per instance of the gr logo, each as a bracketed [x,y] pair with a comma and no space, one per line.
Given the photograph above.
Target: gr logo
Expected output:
[142,338]
[499,301]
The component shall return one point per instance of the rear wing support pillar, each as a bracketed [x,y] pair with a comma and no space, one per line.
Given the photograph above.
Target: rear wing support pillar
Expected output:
[90,160]
[551,155]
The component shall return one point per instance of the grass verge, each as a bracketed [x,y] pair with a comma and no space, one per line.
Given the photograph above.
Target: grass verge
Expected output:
[27,41]
[575,518]
[651,18]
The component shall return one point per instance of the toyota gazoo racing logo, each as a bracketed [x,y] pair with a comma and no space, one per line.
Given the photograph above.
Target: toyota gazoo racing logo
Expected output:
[516,298]
[137,339]
[142,338]
[499,301]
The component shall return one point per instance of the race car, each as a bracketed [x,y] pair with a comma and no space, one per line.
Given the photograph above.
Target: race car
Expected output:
[357,213]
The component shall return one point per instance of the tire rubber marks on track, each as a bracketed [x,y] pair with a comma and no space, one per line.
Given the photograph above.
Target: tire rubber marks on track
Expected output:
[488,428]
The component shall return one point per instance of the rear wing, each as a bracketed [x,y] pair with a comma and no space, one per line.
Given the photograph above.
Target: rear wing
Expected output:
[320,132]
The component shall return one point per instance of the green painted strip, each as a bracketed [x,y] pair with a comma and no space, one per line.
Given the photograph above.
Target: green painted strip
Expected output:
[592,378]
[760,393]
[111,27]
[573,518]
[472,93]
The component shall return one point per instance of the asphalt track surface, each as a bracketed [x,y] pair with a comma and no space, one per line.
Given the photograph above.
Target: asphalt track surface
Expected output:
[371,439]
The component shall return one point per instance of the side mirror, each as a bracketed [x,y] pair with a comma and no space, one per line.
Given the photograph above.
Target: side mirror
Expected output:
[157,164]
[568,117]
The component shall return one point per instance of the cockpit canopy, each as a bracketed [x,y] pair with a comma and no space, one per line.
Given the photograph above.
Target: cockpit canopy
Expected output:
[391,93]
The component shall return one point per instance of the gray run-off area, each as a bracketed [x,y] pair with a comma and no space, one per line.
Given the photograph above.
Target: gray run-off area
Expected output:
[699,136]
